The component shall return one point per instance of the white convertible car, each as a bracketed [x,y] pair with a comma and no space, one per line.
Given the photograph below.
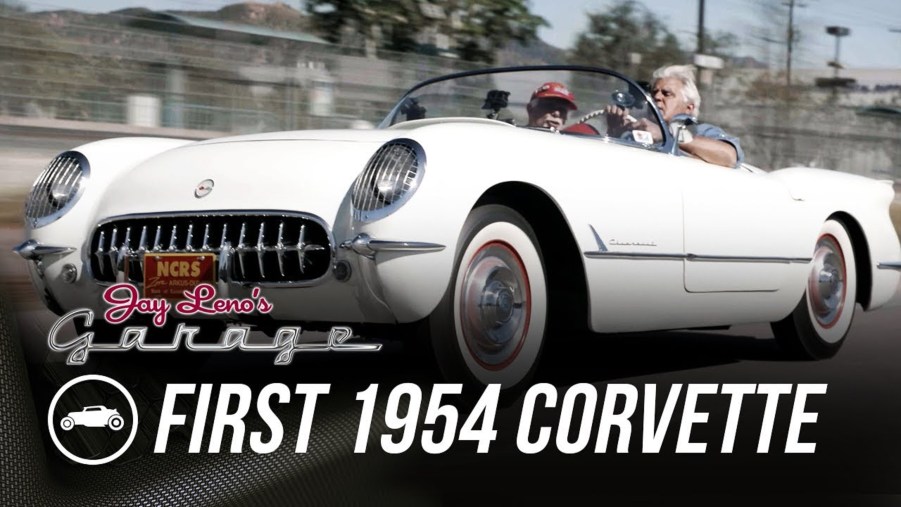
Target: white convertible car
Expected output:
[456,215]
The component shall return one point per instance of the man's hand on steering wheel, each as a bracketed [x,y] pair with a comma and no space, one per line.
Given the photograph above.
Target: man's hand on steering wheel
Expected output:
[618,120]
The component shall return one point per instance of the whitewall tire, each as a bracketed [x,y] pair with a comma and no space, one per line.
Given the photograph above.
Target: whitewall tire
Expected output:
[489,327]
[818,326]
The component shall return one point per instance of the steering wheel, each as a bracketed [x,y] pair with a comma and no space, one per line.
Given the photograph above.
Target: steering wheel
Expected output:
[621,99]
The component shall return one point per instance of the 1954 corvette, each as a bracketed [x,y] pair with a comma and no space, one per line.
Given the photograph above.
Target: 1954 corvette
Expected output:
[457,215]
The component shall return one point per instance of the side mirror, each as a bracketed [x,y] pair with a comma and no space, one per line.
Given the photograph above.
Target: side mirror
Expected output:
[412,109]
[622,99]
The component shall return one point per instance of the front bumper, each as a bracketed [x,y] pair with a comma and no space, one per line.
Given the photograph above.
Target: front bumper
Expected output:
[349,291]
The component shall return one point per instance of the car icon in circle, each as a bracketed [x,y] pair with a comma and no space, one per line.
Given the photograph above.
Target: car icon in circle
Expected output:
[95,416]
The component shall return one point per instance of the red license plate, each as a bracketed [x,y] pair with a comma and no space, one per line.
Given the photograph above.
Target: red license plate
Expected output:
[169,275]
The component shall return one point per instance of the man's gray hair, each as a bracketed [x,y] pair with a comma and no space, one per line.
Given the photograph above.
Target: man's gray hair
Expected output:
[685,74]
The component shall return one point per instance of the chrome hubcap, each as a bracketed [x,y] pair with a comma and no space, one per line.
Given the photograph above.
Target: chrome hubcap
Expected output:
[494,305]
[826,286]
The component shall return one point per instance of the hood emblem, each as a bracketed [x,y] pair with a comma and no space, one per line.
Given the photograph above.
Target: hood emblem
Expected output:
[203,188]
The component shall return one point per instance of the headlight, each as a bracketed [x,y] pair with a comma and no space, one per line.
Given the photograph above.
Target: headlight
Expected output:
[57,189]
[390,178]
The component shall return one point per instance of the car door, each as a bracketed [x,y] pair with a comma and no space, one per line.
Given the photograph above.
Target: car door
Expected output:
[738,230]
[634,268]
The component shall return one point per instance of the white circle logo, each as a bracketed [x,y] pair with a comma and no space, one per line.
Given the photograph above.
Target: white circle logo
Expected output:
[92,416]
[203,188]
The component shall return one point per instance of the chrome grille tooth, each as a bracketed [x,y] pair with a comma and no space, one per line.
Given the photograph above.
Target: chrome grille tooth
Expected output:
[113,249]
[241,248]
[300,246]
[225,253]
[280,248]
[224,233]
[173,238]
[142,244]
[124,250]
[206,238]
[156,239]
[190,238]
[261,248]
[99,252]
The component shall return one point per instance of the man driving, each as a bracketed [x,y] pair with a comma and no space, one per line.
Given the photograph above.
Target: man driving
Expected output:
[550,105]
[674,91]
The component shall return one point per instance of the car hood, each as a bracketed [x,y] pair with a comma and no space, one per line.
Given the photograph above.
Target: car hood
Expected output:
[302,171]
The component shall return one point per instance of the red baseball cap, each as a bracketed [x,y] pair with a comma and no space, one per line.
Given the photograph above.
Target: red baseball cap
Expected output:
[555,90]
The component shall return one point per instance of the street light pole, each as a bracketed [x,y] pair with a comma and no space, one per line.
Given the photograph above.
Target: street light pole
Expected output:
[838,32]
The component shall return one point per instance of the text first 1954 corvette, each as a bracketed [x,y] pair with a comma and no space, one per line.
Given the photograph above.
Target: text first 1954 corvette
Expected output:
[490,233]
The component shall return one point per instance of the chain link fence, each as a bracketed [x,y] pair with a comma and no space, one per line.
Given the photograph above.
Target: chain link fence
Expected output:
[74,70]
[106,71]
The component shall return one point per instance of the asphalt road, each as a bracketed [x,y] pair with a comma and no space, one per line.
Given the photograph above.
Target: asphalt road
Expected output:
[857,434]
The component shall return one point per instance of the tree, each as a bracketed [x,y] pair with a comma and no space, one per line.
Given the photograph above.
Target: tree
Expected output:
[487,25]
[627,28]
[476,28]
[721,44]
[12,6]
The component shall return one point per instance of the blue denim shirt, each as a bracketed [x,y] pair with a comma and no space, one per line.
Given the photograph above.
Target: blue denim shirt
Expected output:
[714,132]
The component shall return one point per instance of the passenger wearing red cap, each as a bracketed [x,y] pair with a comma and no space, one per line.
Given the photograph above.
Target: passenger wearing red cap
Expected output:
[550,105]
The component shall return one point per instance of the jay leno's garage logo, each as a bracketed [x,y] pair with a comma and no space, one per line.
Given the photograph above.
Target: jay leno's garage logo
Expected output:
[126,303]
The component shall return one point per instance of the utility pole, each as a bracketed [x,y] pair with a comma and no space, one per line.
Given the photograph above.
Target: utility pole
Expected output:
[701,27]
[790,39]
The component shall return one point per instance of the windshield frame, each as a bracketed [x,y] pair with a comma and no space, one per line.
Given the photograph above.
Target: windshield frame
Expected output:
[668,141]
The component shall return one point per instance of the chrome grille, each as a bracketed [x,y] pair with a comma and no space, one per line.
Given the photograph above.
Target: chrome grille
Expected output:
[57,188]
[277,248]
[389,179]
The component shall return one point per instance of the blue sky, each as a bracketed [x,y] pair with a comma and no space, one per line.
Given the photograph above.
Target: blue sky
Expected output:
[870,45]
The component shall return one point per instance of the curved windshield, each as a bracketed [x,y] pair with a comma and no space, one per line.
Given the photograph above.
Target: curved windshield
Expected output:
[569,100]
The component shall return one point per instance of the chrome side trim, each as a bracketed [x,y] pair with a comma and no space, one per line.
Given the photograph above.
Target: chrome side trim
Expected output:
[32,250]
[741,258]
[890,265]
[636,255]
[696,257]
[364,245]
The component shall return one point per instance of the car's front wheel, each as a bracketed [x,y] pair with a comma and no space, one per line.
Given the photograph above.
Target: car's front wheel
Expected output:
[817,327]
[67,423]
[489,327]
[115,422]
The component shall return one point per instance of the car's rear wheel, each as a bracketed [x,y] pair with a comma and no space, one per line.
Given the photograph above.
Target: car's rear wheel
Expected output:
[115,422]
[67,423]
[820,322]
[489,327]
